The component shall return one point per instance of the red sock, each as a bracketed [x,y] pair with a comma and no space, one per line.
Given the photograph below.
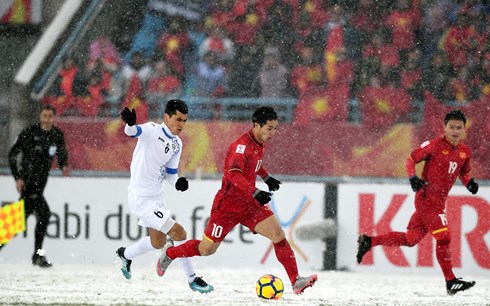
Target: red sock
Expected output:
[390,239]
[444,258]
[285,255]
[188,249]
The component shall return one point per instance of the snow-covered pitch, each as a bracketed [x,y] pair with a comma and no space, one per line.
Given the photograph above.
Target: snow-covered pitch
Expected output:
[23,284]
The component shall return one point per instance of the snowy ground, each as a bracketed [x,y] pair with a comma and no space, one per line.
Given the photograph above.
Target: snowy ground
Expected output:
[22,284]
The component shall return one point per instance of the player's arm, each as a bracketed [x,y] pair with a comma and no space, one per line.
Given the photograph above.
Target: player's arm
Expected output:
[271,182]
[235,176]
[62,154]
[172,172]
[466,179]
[14,152]
[416,156]
[130,129]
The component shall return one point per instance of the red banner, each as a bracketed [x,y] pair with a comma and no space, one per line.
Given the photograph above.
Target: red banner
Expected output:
[383,106]
[317,149]
[323,105]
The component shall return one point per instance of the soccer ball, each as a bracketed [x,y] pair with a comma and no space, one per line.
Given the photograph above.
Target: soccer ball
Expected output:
[269,287]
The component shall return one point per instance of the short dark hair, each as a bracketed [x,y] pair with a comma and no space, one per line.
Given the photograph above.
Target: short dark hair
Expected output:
[175,105]
[48,107]
[455,115]
[263,114]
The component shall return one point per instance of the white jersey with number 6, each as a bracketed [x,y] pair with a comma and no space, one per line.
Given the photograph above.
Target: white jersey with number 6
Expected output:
[155,158]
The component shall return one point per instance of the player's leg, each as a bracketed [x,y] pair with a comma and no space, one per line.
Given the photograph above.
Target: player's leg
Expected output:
[415,232]
[438,227]
[43,213]
[196,283]
[271,228]
[218,226]
[152,214]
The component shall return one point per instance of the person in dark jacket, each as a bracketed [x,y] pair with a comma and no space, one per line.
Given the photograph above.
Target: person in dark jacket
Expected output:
[30,160]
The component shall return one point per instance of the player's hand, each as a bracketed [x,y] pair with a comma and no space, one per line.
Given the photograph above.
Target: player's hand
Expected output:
[272,183]
[263,197]
[417,183]
[472,186]
[129,116]
[182,184]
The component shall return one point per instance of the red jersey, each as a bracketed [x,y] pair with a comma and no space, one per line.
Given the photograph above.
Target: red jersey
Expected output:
[443,164]
[243,163]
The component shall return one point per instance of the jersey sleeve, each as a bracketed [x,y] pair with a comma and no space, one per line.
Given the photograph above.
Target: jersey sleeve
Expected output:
[14,151]
[421,153]
[238,180]
[62,152]
[464,174]
[238,155]
[172,167]
[139,130]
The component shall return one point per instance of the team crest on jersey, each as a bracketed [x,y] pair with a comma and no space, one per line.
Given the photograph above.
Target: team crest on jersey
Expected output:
[240,149]
[462,155]
[175,146]
[445,152]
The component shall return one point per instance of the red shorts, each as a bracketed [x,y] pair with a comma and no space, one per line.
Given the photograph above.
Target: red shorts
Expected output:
[428,221]
[222,222]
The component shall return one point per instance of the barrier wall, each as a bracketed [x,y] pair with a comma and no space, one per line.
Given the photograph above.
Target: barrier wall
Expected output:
[91,220]
[381,208]
[334,149]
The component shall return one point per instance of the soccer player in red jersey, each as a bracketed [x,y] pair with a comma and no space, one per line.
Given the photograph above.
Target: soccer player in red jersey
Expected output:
[240,202]
[446,158]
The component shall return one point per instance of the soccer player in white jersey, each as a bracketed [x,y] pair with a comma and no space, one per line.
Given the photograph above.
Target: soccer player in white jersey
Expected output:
[156,158]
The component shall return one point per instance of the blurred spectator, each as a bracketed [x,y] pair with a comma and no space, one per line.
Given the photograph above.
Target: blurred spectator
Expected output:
[404,22]
[89,104]
[211,77]
[244,30]
[334,45]
[484,78]
[135,75]
[436,78]
[435,23]
[138,68]
[278,30]
[67,85]
[461,87]
[218,43]
[103,49]
[175,44]
[273,75]
[308,74]
[461,41]
[220,15]
[163,85]
[368,17]
[411,74]
[380,50]
[110,86]
[341,72]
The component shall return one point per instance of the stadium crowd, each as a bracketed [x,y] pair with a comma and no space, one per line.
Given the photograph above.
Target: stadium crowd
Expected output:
[389,55]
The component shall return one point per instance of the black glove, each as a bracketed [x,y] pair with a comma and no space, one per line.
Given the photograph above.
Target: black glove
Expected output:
[272,183]
[129,116]
[263,197]
[182,184]
[472,186]
[417,183]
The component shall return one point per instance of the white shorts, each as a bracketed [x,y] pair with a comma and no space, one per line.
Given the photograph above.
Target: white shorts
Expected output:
[152,211]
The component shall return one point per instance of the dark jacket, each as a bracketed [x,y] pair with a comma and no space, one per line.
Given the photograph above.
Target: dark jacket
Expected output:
[31,157]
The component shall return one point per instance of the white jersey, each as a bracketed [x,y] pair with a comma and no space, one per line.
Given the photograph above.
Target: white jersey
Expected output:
[155,158]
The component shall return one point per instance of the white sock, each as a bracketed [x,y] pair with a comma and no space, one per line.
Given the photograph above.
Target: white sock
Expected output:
[141,247]
[186,264]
